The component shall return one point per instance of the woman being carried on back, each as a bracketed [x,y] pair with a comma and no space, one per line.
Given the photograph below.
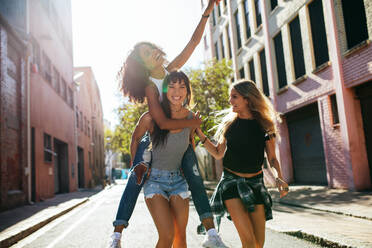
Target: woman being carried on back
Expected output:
[141,77]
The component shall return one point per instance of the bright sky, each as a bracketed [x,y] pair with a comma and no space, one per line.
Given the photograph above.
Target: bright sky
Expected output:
[105,30]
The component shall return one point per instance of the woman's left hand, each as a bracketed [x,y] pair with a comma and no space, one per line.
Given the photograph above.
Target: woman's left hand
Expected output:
[282,187]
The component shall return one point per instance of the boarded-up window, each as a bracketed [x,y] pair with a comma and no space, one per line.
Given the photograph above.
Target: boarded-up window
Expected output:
[48,153]
[237,25]
[318,32]
[297,51]
[355,22]
[265,82]
[273,4]
[246,15]
[241,73]
[216,51]
[222,46]
[279,57]
[335,118]
[251,70]
[257,6]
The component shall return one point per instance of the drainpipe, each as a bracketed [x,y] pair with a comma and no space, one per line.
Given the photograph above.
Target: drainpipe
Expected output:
[28,53]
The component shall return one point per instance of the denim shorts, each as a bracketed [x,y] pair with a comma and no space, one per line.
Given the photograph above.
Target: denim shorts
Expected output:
[166,183]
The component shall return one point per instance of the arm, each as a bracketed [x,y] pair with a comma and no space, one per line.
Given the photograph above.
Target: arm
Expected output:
[159,117]
[181,59]
[217,151]
[274,163]
[143,125]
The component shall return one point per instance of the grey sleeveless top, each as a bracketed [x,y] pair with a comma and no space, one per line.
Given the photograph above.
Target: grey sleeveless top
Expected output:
[168,156]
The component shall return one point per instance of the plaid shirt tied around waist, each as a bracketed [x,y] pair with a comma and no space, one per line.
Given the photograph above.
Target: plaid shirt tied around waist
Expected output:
[246,188]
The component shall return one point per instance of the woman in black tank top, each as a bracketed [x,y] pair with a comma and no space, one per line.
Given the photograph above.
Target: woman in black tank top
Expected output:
[245,133]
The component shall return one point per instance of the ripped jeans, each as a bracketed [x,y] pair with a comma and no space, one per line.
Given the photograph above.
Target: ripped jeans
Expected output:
[191,172]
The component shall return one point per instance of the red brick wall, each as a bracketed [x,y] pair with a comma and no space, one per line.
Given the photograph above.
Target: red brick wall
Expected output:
[357,66]
[13,182]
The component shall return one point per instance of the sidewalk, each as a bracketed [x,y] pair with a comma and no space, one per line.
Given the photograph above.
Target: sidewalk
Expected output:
[329,217]
[18,223]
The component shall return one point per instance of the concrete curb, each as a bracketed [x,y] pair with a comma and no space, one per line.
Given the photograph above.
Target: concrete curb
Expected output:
[14,238]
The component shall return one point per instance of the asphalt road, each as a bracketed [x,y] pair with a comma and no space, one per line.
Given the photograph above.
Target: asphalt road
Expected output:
[90,225]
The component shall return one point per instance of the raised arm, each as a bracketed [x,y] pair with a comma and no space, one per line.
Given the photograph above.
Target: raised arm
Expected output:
[217,151]
[160,118]
[181,59]
[274,163]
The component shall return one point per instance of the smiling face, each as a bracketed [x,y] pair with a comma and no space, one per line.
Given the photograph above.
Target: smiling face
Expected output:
[238,102]
[151,56]
[177,93]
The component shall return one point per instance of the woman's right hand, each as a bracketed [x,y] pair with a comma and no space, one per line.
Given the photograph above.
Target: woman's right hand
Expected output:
[197,120]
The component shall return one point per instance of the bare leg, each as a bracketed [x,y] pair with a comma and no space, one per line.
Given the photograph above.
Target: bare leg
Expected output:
[161,214]
[258,221]
[242,222]
[180,211]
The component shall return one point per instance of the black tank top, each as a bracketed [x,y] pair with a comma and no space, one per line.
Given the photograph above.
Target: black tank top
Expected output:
[245,146]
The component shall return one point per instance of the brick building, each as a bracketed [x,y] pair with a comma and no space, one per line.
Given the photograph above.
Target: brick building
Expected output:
[13,113]
[313,58]
[90,129]
[38,122]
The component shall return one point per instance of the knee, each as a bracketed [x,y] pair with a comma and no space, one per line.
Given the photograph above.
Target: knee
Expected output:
[249,241]
[166,239]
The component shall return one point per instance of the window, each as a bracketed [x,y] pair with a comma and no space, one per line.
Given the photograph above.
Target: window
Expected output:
[205,43]
[335,118]
[219,10]
[241,73]
[85,125]
[63,89]
[251,70]
[35,52]
[257,7]
[273,4]
[216,51]
[229,41]
[297,51]
[77,119]
[222,46]
[265,83]
[70,97]
[246,15]
[237,25]
[355,22]
[280,63]
[46,67]
[318,32]
[81,121]
[48,153]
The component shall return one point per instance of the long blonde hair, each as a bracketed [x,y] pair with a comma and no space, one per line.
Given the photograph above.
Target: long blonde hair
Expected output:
[259,105]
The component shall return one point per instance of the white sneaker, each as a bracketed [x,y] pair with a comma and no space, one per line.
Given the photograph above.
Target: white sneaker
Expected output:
[213,241]
[115,240]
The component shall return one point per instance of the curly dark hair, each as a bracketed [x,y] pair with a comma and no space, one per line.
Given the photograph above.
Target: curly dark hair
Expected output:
[159,135]
[133,76]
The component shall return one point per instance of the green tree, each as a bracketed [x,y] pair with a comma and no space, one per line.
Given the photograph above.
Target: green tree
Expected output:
[210,91]
[129,115]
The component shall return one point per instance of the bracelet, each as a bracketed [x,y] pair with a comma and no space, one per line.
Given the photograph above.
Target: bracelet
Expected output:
[205,16]
[205,139]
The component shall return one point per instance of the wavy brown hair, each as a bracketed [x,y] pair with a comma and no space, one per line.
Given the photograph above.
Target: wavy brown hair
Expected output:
[259,105]
[133,76]
[159,136]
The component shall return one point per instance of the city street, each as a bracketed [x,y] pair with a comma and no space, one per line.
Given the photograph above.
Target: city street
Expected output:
[89,225]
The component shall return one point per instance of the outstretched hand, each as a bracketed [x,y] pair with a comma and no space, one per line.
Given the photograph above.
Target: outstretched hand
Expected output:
[210,6]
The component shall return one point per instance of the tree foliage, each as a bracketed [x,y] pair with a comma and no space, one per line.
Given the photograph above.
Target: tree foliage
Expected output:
[210,91]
